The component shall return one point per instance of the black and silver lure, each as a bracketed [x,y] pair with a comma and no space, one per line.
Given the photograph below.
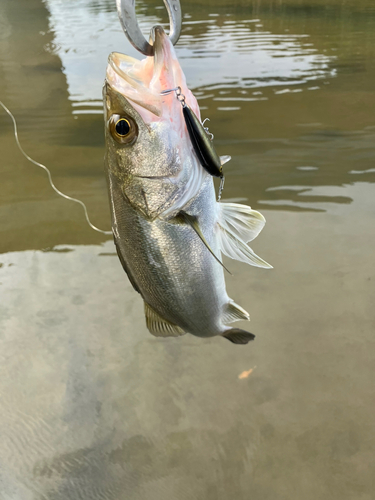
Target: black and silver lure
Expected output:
[202,143]
[201,140]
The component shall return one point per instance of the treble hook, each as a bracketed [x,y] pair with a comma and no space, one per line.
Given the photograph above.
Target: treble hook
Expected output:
[128,19]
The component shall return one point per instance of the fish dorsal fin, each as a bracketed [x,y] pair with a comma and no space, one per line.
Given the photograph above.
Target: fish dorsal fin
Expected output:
[193,222]
[241,220]
[233,247]
[234,312]
[159,326]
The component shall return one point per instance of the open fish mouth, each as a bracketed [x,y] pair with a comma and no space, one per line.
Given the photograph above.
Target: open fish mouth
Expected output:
[142,81]
[131,78]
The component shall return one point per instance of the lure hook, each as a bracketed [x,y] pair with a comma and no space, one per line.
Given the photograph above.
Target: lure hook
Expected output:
[129,23]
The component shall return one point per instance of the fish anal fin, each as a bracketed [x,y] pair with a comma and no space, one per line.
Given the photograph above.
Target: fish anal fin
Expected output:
[234,312]
[160,327]
[241,220]
[238,336]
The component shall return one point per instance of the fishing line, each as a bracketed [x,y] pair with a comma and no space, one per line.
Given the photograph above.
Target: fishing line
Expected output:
[50,176]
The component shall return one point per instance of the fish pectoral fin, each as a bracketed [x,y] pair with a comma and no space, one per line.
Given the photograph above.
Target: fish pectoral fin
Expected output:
[159,326]
[238,336]
[193,222]
[234,312]
[235,248]
[241,220]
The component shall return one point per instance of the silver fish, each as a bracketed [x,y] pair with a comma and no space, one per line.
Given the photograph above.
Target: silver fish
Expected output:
[168,228]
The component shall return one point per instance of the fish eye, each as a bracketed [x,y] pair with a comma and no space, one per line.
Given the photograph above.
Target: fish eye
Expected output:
[123,129]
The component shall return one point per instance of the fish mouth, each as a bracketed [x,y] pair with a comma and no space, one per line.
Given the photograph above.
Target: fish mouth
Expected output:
[135,79]
[142,81]
[130,77]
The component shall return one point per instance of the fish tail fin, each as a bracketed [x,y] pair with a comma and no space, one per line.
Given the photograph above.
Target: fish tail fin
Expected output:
[238,336]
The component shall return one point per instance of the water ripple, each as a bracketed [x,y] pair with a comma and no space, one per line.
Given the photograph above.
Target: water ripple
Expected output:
[237,55]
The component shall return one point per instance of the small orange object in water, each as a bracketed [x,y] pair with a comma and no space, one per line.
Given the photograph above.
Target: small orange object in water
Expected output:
[245,374]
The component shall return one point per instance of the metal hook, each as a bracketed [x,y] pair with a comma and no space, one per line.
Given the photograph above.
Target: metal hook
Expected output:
[210,134]
[180,96]
[128,19]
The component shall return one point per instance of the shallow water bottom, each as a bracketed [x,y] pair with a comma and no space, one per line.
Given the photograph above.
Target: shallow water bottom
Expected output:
[94,407]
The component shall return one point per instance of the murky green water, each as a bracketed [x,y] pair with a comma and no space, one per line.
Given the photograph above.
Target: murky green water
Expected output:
[91,405]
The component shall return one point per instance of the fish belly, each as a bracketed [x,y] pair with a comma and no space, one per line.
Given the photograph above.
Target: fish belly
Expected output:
[170,266]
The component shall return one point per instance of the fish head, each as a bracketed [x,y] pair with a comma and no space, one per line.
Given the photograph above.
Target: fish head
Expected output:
[148,149]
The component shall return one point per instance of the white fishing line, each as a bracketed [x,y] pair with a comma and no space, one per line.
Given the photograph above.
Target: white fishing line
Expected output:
[49,175]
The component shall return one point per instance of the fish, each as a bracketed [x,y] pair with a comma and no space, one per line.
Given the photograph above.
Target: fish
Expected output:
[169,230]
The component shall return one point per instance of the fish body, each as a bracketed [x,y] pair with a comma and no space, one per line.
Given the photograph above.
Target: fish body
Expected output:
[168,228]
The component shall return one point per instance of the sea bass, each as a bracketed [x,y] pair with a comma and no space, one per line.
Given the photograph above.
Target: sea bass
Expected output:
[168,228]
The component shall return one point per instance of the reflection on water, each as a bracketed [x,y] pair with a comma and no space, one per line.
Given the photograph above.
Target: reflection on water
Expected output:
[309,198]
[94,407]
[219,53]
[369,171]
